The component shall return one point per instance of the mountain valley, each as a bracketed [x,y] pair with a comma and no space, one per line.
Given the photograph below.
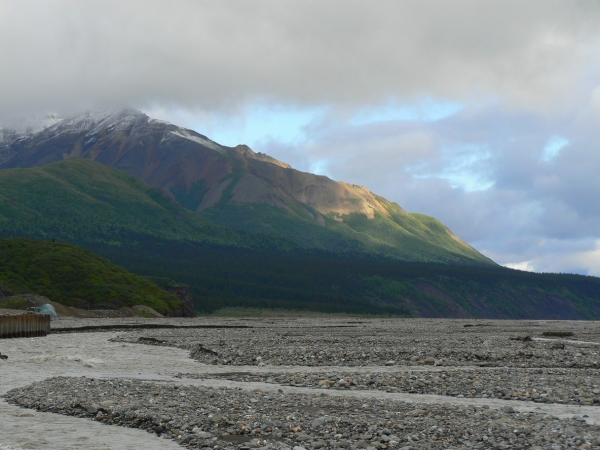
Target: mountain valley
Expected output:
[244,230]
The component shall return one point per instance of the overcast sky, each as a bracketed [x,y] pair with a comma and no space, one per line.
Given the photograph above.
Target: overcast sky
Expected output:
[484,114]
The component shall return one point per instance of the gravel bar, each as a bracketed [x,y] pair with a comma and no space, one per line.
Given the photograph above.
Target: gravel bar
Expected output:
[313,382]
[198,417]
[387,342]
[565,386]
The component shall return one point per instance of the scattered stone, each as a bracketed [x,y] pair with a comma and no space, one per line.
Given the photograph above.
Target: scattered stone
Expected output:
[406,343]
[520,384]
[319,421]
[221,418]
[93,409]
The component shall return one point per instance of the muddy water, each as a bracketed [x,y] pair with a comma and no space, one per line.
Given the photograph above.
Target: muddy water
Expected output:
[22,429]
[35,359]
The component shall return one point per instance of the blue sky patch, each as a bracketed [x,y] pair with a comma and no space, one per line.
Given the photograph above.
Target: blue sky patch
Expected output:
[553,147]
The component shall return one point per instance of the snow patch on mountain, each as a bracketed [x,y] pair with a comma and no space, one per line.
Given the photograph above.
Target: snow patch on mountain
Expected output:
[48,121]
[81,123]
[92,122]
[182,133]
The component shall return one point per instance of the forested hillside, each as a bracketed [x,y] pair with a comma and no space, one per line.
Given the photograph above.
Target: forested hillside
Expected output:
[76,277]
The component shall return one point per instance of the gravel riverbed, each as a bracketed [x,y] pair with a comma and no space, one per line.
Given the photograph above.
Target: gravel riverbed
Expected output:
[566,386]
[387,342]
[310,383]
[233,418]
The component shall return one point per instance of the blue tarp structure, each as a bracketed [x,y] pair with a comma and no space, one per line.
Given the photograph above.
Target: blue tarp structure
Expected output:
[46,309]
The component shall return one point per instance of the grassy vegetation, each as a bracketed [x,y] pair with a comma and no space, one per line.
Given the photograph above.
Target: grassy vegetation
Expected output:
[68,274]
[90,202]
[14,302]
[414,238]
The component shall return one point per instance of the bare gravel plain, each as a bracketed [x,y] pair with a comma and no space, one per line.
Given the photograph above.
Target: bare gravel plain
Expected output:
[315,382]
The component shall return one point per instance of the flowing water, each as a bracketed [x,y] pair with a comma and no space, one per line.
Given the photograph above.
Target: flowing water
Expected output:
[90,354]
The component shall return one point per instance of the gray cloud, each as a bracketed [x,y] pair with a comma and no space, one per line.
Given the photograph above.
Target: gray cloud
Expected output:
[65,55]
[525,71]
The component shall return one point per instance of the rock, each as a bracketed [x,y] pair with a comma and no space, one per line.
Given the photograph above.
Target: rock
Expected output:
[203,434]
[93,408]
[319,421]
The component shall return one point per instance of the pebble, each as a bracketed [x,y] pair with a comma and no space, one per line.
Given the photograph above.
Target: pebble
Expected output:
[566,386]
[395,342]
[226,417]
[459,358]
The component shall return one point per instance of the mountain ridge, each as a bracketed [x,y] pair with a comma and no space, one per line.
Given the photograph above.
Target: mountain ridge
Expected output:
[229,185]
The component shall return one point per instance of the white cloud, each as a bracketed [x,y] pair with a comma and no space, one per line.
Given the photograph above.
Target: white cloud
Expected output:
[590,260]
[562,259]
[523,265]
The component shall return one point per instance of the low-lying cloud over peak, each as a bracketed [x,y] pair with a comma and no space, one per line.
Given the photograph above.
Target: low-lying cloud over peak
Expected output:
[483,114]
[200,54]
